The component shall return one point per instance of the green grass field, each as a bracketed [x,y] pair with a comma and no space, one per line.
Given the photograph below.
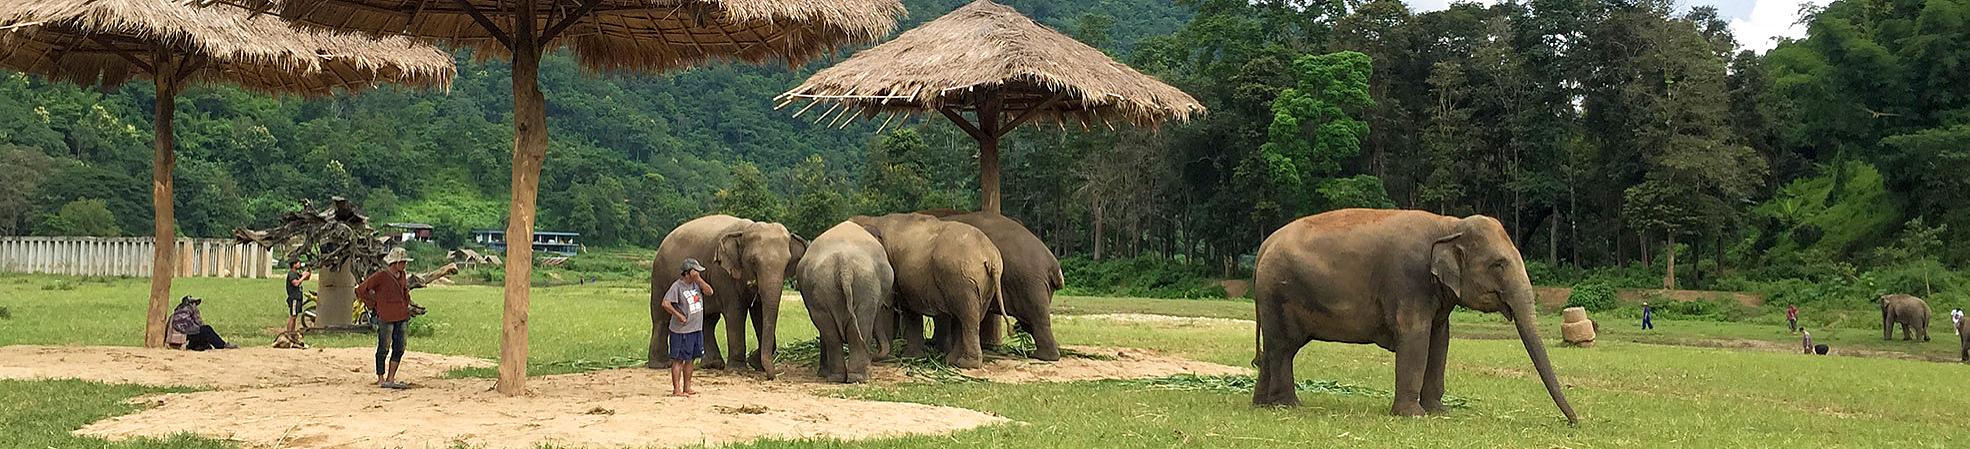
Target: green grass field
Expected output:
[1629,393]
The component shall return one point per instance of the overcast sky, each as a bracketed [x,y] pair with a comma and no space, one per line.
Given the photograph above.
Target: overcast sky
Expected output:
[1754,22]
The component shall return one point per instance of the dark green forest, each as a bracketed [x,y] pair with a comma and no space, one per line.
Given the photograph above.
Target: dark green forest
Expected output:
[1632,143]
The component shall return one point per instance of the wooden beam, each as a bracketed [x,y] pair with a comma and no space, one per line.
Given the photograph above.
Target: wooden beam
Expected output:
[587,7]
[962,123]
[480,17]
[190,66]
[125,54]
[1031,112]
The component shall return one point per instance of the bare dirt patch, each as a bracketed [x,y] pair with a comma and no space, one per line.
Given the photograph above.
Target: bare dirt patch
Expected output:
[1157,319]
[615,408]
[1113,363]
[1555,297]
[1771,346]
[221,369]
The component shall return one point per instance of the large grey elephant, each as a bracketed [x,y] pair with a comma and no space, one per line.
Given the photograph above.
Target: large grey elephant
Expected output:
[746,262]
[1032,275]
[1909,311]
[1390,278]
[846,282]
[944,270]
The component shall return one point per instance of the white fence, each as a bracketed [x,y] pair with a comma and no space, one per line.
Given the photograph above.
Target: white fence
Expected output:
[131,256]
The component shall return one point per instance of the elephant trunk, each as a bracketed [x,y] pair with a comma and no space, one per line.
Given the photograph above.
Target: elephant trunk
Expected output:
[768,322]
[1520,308]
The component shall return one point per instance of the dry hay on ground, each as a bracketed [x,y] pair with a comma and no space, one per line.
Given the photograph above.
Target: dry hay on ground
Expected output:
[221,369]
[615,408]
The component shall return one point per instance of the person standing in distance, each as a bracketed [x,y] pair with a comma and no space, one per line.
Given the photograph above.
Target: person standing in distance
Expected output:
[295,276]
[686,304]
[388,293]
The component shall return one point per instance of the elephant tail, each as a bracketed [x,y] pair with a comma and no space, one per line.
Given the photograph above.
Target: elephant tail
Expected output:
[1258,339]
[993,276]
[853,326]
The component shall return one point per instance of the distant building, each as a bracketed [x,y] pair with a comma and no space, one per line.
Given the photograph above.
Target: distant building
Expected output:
[562,243]
[412,231]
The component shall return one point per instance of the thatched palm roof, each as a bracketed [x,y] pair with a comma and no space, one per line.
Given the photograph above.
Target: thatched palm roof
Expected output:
[654,35]
[984,46]
[106,42]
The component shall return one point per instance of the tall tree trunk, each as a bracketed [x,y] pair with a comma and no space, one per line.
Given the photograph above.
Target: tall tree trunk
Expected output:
[1642,244]
[1553,239]
[529,150]
[156,317]
[988,153]
[1097,228]
[1669,279]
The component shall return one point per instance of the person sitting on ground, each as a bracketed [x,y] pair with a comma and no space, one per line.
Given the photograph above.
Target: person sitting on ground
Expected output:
[295,276]
[1806,341]
[686,305]
[198,336]
[1792,318]
[388,293]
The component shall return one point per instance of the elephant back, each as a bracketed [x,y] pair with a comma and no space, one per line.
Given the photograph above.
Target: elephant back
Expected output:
[1027,259]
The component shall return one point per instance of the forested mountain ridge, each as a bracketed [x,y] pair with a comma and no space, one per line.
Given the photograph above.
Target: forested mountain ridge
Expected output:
[1603,133]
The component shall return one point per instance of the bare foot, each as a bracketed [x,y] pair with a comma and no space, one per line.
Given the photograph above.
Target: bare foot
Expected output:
[690,392]
[679,395]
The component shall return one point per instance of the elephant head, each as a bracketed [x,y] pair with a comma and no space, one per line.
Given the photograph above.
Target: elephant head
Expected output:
[763,255]
[1478,265]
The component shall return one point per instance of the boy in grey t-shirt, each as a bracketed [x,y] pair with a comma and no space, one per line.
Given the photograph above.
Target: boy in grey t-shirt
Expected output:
[686,304]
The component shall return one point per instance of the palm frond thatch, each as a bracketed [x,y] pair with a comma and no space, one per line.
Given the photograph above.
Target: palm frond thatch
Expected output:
[985,47]
[106,42]
[619,35]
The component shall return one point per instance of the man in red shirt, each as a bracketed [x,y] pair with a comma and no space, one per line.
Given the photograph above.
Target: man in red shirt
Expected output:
[1792,318]
[388,293]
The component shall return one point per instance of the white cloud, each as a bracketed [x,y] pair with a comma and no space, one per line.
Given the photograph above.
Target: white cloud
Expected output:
[1755,23]
[1769,20]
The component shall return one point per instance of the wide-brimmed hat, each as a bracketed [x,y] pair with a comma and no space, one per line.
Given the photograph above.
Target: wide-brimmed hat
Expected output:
[397,255]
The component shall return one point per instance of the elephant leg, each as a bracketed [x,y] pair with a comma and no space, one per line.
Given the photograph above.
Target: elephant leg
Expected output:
[659,357]
[1040,326]
[912,334]
[828,326]
[1278,347]
[1905,332]
[857,369]
[735,335]
[713,358]
[1412,358]
[1432,399]
[1887,326]
[991,332]
[940,337]
[885,332]
[964,351]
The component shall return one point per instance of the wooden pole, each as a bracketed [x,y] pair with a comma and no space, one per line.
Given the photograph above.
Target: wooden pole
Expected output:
[163,161]
[529,150]
[988,153]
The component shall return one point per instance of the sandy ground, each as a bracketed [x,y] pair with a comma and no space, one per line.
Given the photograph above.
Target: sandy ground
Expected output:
[616,408]
[1156,319]
[225,369]
[323,399]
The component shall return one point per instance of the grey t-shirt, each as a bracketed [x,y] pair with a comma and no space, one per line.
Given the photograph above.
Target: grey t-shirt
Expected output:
[686,298]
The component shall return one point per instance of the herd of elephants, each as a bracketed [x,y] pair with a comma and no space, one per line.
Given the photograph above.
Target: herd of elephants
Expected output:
[1386,277]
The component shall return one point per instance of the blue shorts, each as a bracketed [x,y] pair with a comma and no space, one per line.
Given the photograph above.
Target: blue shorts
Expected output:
[687,346]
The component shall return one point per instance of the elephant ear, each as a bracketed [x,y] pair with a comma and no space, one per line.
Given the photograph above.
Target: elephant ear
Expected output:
[873,231]
[1447,263]
[796,248]
[730,246]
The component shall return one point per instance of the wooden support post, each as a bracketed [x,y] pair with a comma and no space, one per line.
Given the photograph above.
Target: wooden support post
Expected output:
[988,152]
[163,160]
[529,150]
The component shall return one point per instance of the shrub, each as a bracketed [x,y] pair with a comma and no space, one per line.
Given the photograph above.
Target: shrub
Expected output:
[1593,295]
[1145,276]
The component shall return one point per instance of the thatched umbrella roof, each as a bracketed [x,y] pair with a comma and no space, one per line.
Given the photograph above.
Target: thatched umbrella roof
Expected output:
[652,35]
[107,42]
[987,47]
[987,59]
